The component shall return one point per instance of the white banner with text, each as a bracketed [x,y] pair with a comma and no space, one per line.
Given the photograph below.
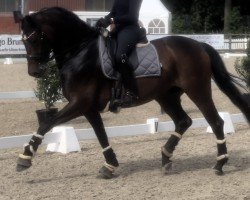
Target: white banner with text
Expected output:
[11,45]
[215,40]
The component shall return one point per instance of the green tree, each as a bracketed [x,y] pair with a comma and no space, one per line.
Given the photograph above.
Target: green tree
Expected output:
[199,17]
[236,21]
[242,67]
[49,86]
[227,15]
[208,16]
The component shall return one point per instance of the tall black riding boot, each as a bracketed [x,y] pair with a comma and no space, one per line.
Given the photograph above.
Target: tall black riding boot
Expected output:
[131,89]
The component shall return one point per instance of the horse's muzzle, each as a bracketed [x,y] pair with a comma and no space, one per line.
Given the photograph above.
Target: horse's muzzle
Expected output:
[38,71]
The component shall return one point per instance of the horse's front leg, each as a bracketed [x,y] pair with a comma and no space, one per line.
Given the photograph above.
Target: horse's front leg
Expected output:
[70,111]
[111,163]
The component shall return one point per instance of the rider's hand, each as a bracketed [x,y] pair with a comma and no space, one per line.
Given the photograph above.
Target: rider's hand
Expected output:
[102,22]
[112,27]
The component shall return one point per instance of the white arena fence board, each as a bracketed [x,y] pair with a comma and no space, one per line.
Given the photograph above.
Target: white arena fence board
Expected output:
[31,94]
[17,95]
[19,141]
[238,118]
[14,141]
[118,131]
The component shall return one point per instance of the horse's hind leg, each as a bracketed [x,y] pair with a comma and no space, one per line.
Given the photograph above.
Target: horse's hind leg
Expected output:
[171,104]
[203,99]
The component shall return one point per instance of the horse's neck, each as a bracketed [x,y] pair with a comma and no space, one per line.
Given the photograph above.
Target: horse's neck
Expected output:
[84,69]
[66,51]
[65,44]
[82,58]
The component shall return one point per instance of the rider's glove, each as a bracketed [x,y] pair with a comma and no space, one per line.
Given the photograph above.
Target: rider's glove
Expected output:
[102,22]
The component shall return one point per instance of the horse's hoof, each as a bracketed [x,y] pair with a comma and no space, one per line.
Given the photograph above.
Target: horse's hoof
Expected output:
[20,168]
[218,170]
[106,173]
[167,168]
[23,164]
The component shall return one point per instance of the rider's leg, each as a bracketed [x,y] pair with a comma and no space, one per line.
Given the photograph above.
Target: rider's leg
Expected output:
[127,75]
[127,39]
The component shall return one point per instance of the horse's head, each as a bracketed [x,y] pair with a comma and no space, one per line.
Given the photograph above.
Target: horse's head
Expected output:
[52,30]
[36,43]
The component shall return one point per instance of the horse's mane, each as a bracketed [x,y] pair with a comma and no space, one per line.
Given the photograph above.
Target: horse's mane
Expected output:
[58,11]
[67,18]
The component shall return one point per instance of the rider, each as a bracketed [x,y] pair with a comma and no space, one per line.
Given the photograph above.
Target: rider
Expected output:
[123,19]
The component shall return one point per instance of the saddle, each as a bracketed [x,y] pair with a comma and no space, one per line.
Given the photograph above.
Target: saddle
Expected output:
[144,58]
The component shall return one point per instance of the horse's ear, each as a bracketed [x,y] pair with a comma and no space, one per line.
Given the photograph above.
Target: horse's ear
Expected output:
[18,17]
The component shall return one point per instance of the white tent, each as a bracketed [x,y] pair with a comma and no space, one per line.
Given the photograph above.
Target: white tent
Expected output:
[153,14]
[155,17]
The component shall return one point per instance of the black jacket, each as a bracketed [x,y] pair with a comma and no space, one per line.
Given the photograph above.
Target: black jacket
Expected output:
[125,12]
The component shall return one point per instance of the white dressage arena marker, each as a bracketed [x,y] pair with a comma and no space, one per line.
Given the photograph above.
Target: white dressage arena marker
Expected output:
[8,61]
[228,124]
[153,125]
[67,142]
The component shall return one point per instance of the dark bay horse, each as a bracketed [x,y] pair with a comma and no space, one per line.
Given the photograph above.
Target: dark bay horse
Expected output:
[187,67]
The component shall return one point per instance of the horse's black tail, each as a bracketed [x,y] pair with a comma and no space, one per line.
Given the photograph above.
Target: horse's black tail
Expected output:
[225,81]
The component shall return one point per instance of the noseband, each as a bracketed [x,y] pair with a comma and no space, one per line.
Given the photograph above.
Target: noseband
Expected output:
[37,57]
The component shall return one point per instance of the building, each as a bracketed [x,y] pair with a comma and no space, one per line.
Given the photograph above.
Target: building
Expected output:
[7,25]
[156,20]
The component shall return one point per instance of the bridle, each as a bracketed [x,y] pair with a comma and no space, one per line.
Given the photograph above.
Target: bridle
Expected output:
[44,57]
[48,56]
